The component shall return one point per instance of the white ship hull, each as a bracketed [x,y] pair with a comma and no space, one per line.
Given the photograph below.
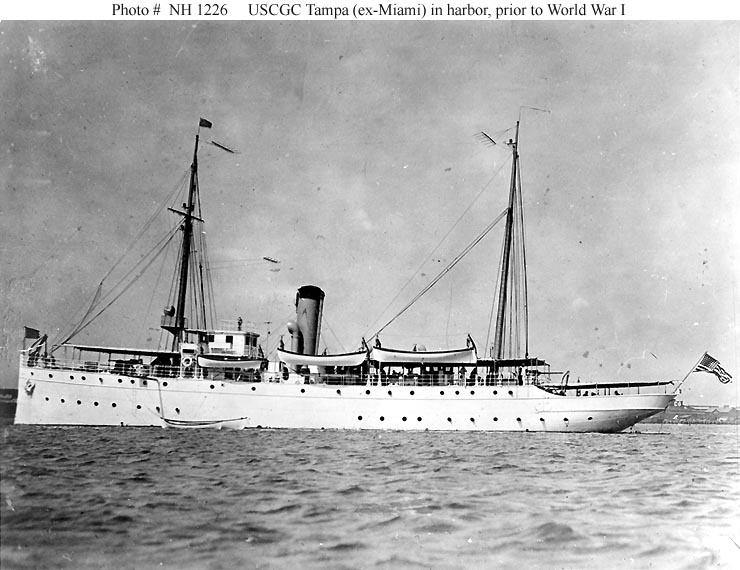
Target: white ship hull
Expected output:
[75,397]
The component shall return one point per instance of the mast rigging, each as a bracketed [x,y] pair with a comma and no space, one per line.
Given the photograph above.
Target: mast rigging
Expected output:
[512,329]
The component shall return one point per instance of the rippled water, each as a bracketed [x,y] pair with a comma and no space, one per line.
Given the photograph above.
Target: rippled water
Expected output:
[154,498]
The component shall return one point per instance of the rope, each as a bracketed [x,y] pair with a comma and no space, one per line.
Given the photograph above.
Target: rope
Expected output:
[80,327]
[331,330]
[523,243]
[444,272]
[439,244]
[96,296]
[147,224]
[493,301]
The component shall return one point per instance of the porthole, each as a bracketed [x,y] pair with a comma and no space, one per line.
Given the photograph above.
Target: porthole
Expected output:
[164,384]
[590,418]
[71,377]
[83,378]
[404,418]
[62,400]
[418,419]
[79,402]
[449,420]
[253,388]
[367,391]
[212,386]
[565,419]
[51,376]
[457,392]
[359,418]
[138,406]
[495,419]
[47,398]
[339,392]
[382,419]
[31,373]
[101,380]
[412,392]
[113,405]
[542,419]
[303,390]
[441,392]
[390,393]
[519,419]
[132,381]
[472,420]
[120,381]
[177,410]
[511,393]
[143,382]
[95,403]
[157,408]
[472,392]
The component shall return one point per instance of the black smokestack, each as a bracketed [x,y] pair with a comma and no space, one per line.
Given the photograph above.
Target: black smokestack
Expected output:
[309,304]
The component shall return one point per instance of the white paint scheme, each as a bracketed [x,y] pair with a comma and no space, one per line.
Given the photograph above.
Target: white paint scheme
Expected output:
[76,397]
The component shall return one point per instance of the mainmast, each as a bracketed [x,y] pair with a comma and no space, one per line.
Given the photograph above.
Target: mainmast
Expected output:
[503,293]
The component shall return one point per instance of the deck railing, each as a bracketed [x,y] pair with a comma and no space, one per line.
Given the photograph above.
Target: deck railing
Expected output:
[135,368]
[123,367]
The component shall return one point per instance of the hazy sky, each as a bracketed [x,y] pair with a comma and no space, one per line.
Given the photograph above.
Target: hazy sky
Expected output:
[358,154]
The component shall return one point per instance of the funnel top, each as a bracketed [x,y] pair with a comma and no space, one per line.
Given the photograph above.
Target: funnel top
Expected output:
[310,292]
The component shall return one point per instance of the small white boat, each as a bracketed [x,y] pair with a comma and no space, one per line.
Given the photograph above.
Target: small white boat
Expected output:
[297,360]
[456,357]
[229,361]
[236,423]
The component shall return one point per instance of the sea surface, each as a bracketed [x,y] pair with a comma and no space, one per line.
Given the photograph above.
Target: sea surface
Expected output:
[660,497]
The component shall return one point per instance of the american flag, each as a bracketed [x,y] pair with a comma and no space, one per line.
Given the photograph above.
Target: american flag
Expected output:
[711,365]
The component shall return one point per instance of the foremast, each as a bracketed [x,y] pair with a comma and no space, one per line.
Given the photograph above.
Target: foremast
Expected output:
[174,319]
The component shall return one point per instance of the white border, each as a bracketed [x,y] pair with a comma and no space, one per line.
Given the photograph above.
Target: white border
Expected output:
[133,10]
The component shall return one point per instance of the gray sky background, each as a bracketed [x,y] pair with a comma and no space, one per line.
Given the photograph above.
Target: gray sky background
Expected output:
[357,155]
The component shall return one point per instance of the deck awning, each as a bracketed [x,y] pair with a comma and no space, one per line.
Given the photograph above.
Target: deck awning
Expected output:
[121,350]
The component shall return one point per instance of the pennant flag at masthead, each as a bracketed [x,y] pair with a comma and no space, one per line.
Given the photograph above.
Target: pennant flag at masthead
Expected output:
[30,333]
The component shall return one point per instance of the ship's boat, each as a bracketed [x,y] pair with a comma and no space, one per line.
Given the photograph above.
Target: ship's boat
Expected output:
[455,357]
[218,377]
[229,361]
[299,360]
